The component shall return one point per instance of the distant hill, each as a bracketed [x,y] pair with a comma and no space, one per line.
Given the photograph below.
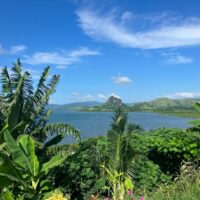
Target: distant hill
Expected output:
[110,105]
[113,101]
[166,105]
[181,107]
[72,106]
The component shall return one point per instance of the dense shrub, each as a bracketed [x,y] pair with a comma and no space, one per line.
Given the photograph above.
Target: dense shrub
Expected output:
[169,147]
[80,175]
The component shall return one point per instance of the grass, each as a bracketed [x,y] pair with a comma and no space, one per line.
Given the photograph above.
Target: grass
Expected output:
[187,187]
[183,190]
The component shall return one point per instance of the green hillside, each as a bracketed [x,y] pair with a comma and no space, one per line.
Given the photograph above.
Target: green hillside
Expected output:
[181,107]
[72,106]
[166,104]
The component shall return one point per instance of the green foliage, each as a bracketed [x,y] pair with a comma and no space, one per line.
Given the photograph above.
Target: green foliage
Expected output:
[118,183]
[22,170]
[145,173]
[195,123]
[25,160]
[28,158]
[80,175]
[7,195]
[119,150]
[23,108]
[166,105]
[148,175]
[186,187]
[169,147]
[120,154]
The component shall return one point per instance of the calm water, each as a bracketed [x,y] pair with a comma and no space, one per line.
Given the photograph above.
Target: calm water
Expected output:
[93,124]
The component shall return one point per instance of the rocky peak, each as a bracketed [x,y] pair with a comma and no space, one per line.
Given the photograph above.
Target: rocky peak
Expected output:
[114,101]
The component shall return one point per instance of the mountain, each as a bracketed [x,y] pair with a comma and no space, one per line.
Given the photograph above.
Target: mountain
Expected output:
[166,105]
[114,101]
[110,105]
[72,106]
[181,107]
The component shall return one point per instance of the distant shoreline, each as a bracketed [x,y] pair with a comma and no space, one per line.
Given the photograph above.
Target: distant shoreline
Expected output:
[177,114]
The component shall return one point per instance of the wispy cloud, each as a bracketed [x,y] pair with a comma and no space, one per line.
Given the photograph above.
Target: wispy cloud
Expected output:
[61,67]
[12,50]
[83,98]
[183,95]
[60,58]
[121,80]
[76,96]
[102,96]
[178,33]
[176,58]
[17,49]
[83,51]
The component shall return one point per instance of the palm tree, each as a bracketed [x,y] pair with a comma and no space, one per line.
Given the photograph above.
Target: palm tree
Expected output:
[23,108]
[120,154]
[119,148]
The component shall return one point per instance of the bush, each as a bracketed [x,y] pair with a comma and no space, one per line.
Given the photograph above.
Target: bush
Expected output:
[80,176]
[186,187]
[169,147]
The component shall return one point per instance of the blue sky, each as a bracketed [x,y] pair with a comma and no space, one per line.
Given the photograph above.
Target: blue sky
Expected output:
[135,49]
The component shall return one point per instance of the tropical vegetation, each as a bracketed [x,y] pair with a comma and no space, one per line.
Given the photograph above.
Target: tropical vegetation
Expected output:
[127,163]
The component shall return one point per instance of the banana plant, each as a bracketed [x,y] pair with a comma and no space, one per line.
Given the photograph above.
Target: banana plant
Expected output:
[23,107]
[21,170]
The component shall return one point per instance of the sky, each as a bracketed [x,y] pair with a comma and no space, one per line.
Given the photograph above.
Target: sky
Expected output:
[137,50]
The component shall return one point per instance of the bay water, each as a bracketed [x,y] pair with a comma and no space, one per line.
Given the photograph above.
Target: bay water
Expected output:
[92,124]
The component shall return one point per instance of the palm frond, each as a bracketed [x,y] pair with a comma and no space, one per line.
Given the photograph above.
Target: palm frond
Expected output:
[6,82]
[41,99]
[41,87]
[119,150]
[16,74]
[61,129]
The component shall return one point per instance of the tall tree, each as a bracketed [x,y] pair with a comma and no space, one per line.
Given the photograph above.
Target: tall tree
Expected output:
[23,107]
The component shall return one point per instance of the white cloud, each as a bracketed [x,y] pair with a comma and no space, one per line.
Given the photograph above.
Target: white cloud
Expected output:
[182,95]
[179,32]
[17,49]
[176,58]
[13,50]
[2,50]
[126,16]
[102,96]
[83,98]
[121,80]
[83,51]
[61,58]
[61,67]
